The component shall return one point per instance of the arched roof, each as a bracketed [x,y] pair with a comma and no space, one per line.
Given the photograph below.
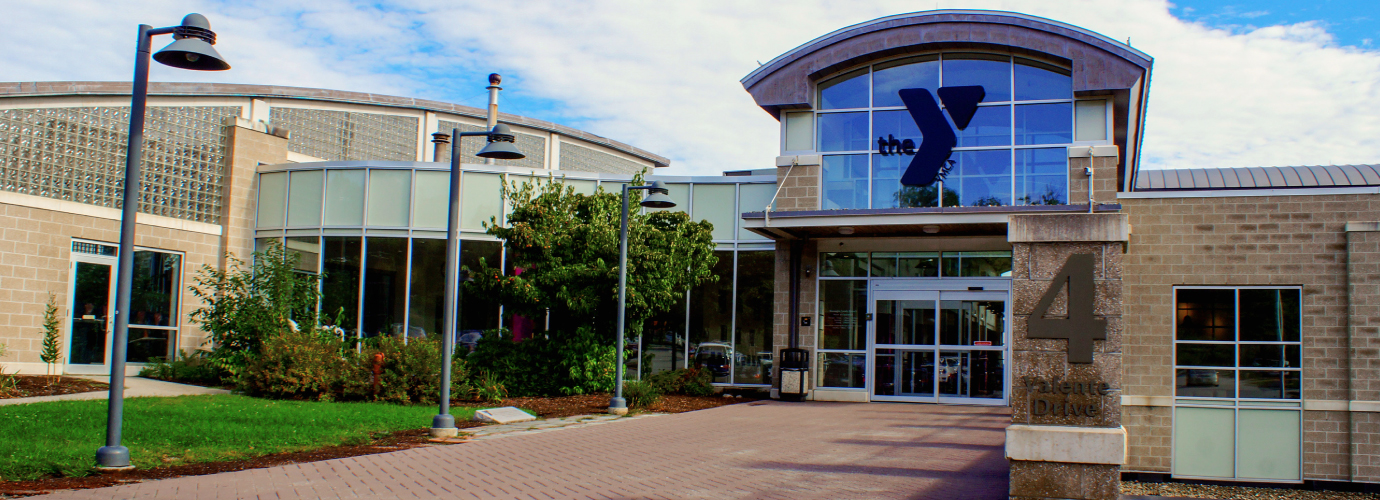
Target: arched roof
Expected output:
[1098,62]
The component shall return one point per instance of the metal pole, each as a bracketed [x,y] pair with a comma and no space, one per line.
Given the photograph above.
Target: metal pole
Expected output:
[618,405]
[443,424]
[113,455]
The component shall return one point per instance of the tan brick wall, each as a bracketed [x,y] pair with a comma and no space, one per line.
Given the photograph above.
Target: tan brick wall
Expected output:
[1278,240]
[1104,180]
[36,243]
[809,257]
[1148,437]
[799,189]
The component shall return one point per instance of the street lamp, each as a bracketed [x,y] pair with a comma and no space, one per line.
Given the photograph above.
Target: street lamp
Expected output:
[500,147]
[657,197]
[191,49]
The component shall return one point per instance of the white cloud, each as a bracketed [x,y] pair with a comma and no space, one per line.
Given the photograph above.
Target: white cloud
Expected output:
[663,76]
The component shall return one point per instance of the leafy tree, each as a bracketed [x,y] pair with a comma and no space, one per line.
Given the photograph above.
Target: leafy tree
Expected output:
[924,196]
[52,335]
[242,305]
[566,245]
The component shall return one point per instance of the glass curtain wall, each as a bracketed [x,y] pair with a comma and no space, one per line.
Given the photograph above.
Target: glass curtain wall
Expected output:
[1012,152]
[153,298]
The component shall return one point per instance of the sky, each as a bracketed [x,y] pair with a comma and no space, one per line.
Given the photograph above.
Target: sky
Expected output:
[1235,84]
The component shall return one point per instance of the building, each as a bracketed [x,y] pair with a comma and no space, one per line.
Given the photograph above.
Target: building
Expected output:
[1230,314]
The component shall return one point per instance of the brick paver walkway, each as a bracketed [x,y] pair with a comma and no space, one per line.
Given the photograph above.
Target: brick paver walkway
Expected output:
[758,450]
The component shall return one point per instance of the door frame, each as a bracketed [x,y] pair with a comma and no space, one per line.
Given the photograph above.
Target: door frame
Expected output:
[89,369]
[938,289]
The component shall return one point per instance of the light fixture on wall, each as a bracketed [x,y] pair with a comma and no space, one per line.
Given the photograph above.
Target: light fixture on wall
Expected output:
[846,230]
[930,229]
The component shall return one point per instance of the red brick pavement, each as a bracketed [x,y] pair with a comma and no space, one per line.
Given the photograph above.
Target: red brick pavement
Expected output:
[767,450]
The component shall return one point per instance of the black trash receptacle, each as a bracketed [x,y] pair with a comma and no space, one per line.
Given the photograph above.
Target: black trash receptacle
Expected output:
[795,374]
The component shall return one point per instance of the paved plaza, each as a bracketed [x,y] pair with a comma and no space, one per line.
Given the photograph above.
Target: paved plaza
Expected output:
[756,450]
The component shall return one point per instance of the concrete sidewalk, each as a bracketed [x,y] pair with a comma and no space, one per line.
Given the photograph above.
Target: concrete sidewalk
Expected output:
[135,387]
[752,450]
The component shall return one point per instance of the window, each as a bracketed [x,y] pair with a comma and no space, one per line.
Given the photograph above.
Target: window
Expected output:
[1013,151]
[1241,343]
[153,298]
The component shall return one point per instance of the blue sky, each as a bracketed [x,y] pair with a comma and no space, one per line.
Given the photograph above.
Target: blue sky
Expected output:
[1354,23]
[1235,83]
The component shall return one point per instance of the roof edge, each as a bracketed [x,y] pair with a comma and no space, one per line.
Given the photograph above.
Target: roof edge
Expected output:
[61,88]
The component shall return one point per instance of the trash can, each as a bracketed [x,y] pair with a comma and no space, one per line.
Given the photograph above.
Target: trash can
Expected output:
[795,374]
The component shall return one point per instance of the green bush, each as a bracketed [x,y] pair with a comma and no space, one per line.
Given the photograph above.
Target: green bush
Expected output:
[542,366]
[410,371]
[194,368]
[687,381]
[640,393]
[295,365]
[486,387]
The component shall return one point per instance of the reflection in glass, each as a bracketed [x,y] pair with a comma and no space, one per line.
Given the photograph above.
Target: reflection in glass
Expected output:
[663,340]
[908,322]
[991,126]
[1037,81]
[1205,354]
[1044,123]
[844,132]
[752,363]
[971,374]
[148,343]
[426,308]
[385,282]
[1204,383]
[1042,176]
[845,182]
[1205,314]
[90,303]
[1267,355]
[917,264]
[477,312]
[1270,315]
[972,322]
[340,288]
[153,298]
[980,264]
[835,264]
[842,369]
[308,250]
[982,178]
[912,376]
[992,72]
[842,306]
[912,73]
[897,125]
[711,317]
[1269,384]
[887,191]
[844,91]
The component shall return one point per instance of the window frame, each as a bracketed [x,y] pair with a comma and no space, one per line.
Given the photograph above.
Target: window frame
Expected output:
[1236,368]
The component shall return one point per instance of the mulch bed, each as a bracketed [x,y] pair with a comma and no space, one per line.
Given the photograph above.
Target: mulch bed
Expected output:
[39,385]
[566,406]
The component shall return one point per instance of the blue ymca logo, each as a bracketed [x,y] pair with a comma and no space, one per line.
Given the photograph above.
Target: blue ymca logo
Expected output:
[931,161]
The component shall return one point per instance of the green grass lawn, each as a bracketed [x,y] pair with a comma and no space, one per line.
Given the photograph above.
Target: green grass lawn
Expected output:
[61,438]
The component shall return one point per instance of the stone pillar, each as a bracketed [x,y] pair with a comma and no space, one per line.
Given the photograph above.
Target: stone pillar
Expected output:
[251,144]
[1066,438]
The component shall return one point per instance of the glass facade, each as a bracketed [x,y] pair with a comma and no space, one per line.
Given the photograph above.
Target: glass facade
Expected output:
[378,234]
[1012,152]
[348,135]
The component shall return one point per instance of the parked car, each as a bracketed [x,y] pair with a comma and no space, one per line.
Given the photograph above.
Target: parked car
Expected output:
[715,357]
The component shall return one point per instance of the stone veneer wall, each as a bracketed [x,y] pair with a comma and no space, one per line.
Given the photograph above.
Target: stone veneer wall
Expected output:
[36,244]
[781,329]
[799,189]
[1261,240]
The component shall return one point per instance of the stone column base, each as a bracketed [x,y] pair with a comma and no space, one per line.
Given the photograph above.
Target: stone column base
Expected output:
[1058,480]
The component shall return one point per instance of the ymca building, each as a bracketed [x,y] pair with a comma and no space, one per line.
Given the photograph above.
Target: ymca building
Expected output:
[958,215]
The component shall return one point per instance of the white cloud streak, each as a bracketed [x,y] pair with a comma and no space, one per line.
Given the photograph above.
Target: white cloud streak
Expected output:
[663,76]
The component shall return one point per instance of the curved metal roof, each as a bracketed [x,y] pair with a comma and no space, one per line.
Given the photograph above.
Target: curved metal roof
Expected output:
[1258,177]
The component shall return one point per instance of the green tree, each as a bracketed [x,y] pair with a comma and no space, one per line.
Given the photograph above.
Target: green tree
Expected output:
[52,335]
[567,247]
[242,305]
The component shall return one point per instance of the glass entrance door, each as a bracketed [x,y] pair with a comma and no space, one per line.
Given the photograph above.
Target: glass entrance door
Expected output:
[92,291]
[938,346]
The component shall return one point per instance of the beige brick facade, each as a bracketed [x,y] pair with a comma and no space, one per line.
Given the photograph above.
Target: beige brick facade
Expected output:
[799,187]
[36,249]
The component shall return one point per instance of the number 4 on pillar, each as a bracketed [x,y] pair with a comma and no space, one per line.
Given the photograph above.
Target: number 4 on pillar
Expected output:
[1081,327]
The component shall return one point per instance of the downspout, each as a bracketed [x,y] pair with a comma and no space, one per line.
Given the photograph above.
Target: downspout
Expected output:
[1350,310]
[792,321]
[766,211]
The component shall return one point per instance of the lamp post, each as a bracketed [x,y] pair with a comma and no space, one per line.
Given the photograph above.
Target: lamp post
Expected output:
[657,197]
[191,49]
[500,147]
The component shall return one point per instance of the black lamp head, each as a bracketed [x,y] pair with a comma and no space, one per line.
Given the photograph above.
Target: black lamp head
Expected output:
[658,196]
[192,47]
[500,146]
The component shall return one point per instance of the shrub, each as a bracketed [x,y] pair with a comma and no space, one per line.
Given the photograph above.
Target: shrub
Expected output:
[687,381]
[541,366]
[486,387]
[194,368]
[640,393]
[410,371]
[304,364]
